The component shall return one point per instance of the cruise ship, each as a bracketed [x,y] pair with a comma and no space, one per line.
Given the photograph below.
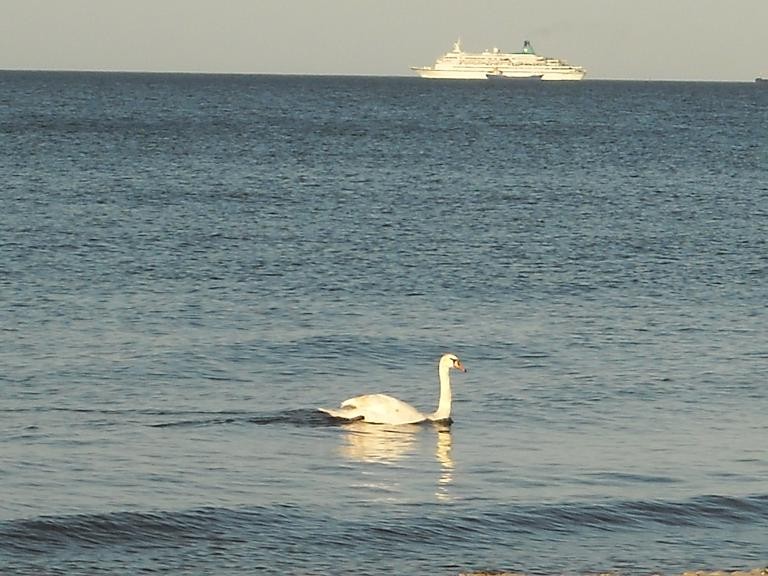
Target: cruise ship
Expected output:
[495,64]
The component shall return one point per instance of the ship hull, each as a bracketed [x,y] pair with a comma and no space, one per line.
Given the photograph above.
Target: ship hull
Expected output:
[450,74]
[505,78]
[484,75]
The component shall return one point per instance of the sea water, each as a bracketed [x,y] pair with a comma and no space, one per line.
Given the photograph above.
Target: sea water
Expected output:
[191,264]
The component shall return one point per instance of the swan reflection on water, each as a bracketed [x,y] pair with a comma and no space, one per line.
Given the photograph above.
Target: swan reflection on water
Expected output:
[372,443]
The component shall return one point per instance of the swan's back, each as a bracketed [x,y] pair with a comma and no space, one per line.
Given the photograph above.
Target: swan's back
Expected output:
[378,409]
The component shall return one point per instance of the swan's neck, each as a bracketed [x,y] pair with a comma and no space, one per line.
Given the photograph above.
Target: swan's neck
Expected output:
[443,411]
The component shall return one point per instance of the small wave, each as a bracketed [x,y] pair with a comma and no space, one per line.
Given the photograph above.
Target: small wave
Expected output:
[600,478]
[305,417]
[157,528]
[435,525]
[700,511]
[297,417]
[100,411]
[309,416]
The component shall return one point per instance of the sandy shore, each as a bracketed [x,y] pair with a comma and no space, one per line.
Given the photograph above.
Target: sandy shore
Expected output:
[754,572]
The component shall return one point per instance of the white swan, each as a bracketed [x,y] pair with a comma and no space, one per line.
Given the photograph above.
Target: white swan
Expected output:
[383,409]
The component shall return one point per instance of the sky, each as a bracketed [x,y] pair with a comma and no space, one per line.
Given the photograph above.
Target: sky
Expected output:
[614,39]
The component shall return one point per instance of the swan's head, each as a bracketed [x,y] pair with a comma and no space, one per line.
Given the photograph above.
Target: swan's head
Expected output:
[452,361]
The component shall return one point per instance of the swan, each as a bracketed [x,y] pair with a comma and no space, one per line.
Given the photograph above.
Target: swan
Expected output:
[384,409]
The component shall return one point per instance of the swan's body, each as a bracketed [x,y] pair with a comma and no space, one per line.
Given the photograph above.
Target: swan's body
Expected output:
[384,409]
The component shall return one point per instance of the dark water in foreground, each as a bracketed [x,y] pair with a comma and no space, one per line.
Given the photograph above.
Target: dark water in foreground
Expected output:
[189,265]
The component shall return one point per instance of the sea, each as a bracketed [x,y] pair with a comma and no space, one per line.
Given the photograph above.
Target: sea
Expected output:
[191,265]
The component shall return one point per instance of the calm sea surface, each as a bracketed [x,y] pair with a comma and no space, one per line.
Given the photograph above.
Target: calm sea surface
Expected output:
[190,265]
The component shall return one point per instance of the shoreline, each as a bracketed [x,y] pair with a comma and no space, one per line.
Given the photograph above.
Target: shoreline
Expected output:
[753,572]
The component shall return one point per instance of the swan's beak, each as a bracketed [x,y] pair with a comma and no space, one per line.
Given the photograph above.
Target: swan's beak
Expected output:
[459,366]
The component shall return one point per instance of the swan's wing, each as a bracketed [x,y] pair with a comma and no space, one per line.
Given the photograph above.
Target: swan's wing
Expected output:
[377,409]
[348,409]
[366,400]
[346,413]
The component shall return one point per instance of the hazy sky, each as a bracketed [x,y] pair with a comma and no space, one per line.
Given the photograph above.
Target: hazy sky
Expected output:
[637,39]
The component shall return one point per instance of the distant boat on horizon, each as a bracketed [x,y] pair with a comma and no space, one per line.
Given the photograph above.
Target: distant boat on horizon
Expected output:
[759,79]
[494,64]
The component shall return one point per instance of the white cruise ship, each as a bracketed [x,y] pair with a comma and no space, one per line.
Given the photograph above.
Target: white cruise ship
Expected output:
[492,64]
